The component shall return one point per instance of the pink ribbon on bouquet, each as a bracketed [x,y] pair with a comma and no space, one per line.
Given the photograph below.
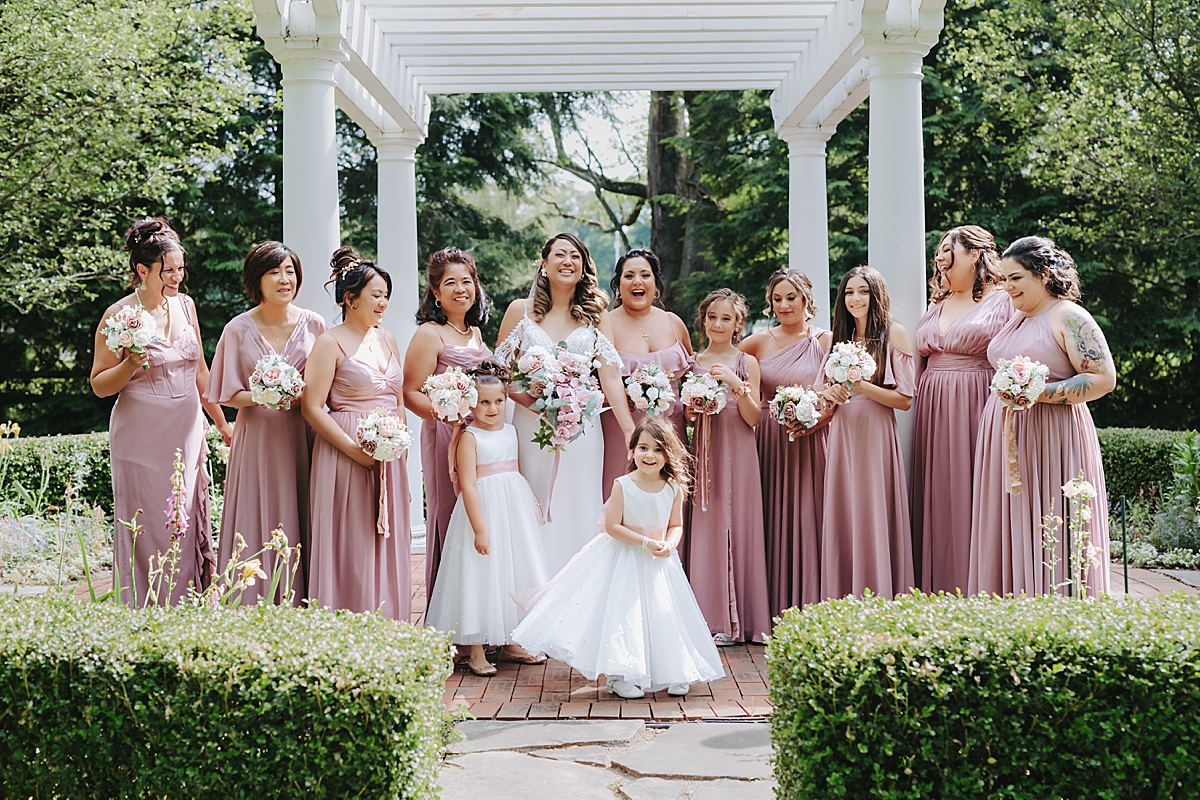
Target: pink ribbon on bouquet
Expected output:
[1012,459]
[703,471]
[381,520]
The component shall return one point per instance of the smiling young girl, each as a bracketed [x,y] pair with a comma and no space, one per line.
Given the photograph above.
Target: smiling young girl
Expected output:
[866,540]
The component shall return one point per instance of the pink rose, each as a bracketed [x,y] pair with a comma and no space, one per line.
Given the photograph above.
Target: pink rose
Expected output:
[272,376]
[854,374]
[368,448]
[711,407]
[389,426]
[125,339]
[789,411]
[134,322]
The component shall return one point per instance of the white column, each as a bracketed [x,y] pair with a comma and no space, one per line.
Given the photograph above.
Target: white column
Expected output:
[397,208]
[808,211]
[310,177]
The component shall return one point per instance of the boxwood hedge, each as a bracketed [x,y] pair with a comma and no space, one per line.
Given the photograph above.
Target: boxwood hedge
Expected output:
[940,697]
[97,701]
[1136,459]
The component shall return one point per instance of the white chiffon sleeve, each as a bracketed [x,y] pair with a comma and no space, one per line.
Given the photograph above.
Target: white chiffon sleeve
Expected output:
[606,351]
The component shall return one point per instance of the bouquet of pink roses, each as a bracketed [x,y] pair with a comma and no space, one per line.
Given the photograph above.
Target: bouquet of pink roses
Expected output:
[452,394]
[568,395]
[703,393]
[1019,381]
[382,435]
[795,404]
[649,389]
[849,363]
[275,383]
[132,328]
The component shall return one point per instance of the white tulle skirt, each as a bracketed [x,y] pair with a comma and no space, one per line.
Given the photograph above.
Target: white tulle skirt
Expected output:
[472,596]
[617,610]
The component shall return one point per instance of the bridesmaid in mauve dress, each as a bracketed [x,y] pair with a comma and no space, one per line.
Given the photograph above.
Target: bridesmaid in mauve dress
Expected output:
[452,310]
[359,519]
[266,485]
[953,375]
[158,411]
[726,562]
[1055,439]
[866,541]
[642,335]
[793,473]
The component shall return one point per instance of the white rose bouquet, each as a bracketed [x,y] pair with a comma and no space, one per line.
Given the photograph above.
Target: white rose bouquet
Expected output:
[649,389]
[703,393]
[275,383]
[1019,381]
[795,404]
[382,435]
[452,394]
[132,328]
[849,363]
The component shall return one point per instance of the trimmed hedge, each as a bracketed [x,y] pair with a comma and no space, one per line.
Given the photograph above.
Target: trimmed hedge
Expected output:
[1137,459]
[943,697]
[269,701]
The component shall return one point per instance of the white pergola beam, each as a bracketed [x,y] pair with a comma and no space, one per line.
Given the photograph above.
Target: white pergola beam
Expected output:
[643,13]
[833,51]
[381,70]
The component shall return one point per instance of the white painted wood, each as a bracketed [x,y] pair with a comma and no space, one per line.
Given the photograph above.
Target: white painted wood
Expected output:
[808,211]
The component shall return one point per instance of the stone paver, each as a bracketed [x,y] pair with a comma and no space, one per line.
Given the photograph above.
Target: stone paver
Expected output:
[1188,577]
[486,735]
[592,755]
[517,776]
[740,750]
[653,789]
[734,790]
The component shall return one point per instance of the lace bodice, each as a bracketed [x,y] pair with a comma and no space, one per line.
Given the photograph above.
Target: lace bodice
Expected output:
[585,340]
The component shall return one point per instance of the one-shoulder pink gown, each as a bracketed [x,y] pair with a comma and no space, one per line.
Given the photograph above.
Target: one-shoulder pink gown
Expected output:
[793,481]
[866,538]
[675,360]
[266,485]
[726,559]
[157,413]
[953,375]
[353,566]
[435,464]
[1054,442]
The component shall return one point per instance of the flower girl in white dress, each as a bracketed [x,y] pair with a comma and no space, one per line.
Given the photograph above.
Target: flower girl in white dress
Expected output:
[493,546]
[622,606]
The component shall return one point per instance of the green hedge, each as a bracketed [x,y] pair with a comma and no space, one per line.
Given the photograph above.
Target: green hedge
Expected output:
[1137,459]
[103,702]
[941,697]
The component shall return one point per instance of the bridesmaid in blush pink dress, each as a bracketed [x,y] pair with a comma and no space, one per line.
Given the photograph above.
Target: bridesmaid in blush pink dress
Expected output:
[726,561]
[866,541]
[1055,439]
[359,507]
[266,485]
[793,472]
[643,335]
[158,411]
[953,375]
[452,310]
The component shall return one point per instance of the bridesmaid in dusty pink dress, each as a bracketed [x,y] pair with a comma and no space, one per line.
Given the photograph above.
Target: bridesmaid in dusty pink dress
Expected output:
[953,374]
[359,507]
[453,309]
[725,556]
[791,353]
[158,411]
[643,334]
[266,485]
[866,541]
[1055,439]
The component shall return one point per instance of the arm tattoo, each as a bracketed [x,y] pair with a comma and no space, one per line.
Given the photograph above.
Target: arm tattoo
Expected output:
[1085,336]
[1072,390]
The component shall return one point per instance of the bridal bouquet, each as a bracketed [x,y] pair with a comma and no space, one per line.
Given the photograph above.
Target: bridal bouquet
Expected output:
[569,393]
[849,363]
[452,394]
[382,435]
[132,328]
[649,389]
[1019,382]
[275,383]
[795,404]
[702,393]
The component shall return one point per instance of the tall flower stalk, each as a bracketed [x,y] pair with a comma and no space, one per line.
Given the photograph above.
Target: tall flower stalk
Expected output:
[1082,555]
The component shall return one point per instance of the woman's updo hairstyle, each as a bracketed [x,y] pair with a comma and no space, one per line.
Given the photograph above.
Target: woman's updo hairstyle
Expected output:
[802,285]
[489,373]
[655,267]
[262,258]
[588,302]
[147,241]
[982,244]
[351,274]
[435,268]
[735,300]
[1048,261]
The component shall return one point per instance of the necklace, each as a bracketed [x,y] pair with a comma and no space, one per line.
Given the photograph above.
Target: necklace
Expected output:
[457,329]
[645,335]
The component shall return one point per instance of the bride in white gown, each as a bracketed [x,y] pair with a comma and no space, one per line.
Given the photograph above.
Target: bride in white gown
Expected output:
[566,307]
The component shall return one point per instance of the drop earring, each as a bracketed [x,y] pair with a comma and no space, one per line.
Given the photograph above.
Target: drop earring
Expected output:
[142,285]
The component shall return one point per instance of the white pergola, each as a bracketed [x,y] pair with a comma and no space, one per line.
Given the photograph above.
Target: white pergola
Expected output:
[378,60]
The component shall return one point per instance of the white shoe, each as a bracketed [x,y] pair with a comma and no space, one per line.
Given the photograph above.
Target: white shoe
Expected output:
[678,689]
[623,688]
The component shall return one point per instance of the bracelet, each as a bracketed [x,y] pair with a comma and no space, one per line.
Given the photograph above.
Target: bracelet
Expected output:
[646,542]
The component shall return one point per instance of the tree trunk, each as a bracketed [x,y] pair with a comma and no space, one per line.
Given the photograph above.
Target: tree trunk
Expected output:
[666,173]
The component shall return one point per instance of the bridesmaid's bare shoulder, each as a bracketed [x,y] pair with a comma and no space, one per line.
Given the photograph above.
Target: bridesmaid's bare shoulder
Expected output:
[898,336]
[681,330]
[753,343]
[327,346]
[825,339]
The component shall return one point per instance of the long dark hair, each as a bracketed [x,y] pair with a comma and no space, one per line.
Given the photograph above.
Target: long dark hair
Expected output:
[588,302]
[350,275]
[879,317]
[979,241]
[147,241]
[435,269]
[655,267]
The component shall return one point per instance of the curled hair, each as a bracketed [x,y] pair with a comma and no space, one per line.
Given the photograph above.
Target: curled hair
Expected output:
[147,241]
[588,301]
[655,267]
[435,269]
[678,466]
[802,285]
[1048,261]
[740,308]
[490,373]
[351,274]
[262,258]
[879,317]
[982,244]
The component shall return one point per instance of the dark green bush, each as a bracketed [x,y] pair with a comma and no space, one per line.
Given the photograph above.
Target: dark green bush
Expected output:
[102,702]
[941,697]
[1137,459]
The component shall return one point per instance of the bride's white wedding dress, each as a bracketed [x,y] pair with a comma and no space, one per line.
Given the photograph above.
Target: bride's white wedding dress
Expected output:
[575,506]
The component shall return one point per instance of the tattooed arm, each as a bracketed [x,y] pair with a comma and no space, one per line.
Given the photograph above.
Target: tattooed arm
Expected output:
[1083,341]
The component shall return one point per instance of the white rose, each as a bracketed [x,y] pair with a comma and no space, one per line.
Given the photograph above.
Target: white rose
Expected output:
[270,397]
